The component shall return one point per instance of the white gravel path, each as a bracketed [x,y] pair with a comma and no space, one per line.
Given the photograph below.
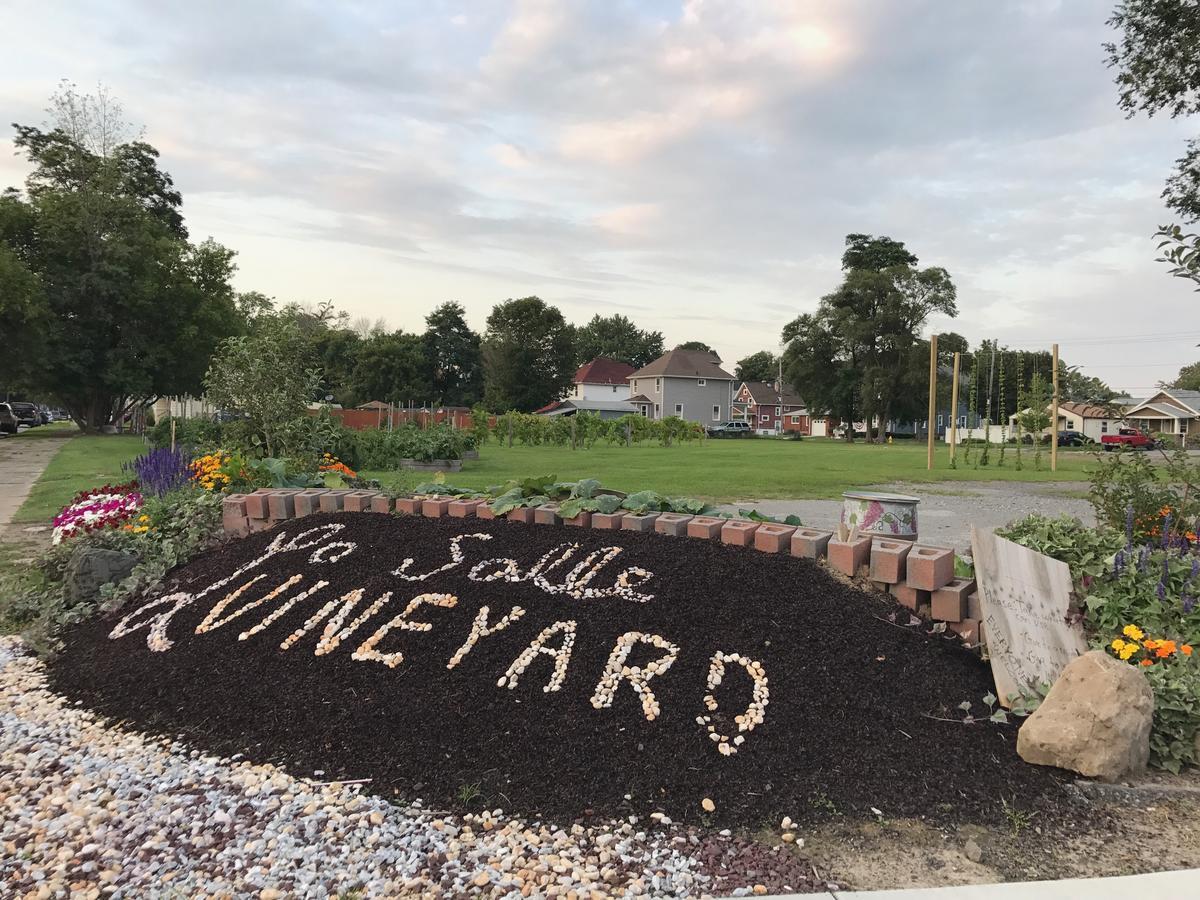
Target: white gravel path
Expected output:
[89,810]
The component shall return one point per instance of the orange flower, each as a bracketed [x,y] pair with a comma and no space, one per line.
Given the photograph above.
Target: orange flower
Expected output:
[1147,662]
[1186,649]
[1150,644]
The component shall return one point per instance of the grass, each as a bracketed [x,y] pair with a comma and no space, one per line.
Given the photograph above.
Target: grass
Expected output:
[83,462]
[727,470]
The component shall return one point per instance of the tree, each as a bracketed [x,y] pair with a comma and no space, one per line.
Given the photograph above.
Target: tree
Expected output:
[760,366]
[391,368]
[1076,387]
[1188,379]
[453,355]
[1033,415]
[874,254]
[98,275]
[528,355]
[617,338]
[697,345]
[269,376]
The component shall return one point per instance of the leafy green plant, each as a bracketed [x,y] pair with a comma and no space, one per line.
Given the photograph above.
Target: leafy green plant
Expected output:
[1088,551]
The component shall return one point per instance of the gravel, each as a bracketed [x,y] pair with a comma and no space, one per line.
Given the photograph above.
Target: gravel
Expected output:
[88,809]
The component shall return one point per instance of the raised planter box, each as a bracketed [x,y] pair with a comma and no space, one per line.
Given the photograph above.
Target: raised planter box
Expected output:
[470,454]
[436,465]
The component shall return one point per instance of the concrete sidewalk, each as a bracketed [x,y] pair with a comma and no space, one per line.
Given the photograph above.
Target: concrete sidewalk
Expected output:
[22,461]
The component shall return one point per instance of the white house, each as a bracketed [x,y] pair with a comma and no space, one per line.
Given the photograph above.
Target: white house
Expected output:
[603,379]
[1170,412]
[1090,419]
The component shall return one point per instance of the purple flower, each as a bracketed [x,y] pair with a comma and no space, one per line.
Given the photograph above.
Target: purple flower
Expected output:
[1161,590]
[162,470]
[1189,603]
[1119,563]
[1143,559]
[1129,526]
[1166,528]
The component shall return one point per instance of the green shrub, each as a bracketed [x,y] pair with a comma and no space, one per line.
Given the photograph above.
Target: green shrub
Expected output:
[195,434]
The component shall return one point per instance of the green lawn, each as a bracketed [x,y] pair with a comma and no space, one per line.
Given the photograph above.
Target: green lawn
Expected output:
[83,462]
[728,470]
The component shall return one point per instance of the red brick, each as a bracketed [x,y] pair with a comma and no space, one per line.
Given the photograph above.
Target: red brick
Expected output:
[635,522]
[970,630]
[583,520]
[547,514]
[233,515]
[738,532]
[849,556]
[358,501]
[674,524]
[810,543]
[484,511]
[771,538]
[913,598]
[281,504]
[256,503]
[950,602]
[974,606]
[887,560]
[382,503]
[607,521]
[463,509]
[409,506]
[930,568]
[706,527]
[434,508]
[522,514]
[307,502]
[332,501]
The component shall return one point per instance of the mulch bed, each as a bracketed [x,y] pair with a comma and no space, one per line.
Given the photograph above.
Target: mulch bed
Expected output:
[847,728]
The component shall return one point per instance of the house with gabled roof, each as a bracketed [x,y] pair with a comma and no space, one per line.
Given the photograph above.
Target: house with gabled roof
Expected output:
[603,379]
[689,384]
[1170,412]
[771,407]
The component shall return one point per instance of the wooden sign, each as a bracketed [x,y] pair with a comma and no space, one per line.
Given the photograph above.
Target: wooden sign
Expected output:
[1025,597]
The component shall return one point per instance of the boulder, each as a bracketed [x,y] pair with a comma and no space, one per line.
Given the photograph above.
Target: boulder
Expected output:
[1095,720]
[89,568]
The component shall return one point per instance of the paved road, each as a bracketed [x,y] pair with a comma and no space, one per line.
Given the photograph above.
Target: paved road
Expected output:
[949,509]
[22,460]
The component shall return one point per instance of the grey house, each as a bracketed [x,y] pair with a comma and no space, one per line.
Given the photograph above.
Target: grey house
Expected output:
[687,383]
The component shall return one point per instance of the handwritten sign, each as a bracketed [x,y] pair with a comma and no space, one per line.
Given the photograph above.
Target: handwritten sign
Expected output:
[1024,596]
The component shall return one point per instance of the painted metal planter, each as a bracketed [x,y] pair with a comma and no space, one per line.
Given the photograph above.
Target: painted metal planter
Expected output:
[886,515]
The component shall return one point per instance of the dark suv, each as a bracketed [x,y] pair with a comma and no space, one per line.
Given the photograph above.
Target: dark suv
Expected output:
[27,413]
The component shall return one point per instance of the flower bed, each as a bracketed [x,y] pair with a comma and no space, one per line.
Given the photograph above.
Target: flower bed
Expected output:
[110,506]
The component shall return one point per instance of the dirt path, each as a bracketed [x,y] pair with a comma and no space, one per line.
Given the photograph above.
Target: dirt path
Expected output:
[949,509]
[22,462]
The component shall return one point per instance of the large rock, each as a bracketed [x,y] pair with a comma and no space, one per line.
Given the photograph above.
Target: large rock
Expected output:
[89,568]
[1095,720]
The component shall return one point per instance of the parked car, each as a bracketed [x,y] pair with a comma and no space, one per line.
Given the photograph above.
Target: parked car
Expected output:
[1130,438]
[27,413]
[1073,439]
[732,428]
[8,419]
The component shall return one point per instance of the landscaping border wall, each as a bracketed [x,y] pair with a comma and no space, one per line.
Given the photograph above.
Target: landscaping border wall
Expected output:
[919,577]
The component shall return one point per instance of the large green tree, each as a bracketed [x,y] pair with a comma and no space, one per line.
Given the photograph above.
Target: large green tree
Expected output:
[1188,379]
[874,254]
[528,355]
[111,304]
[453,354]
[760,366]
[617,337]
[393,368]
[697,345]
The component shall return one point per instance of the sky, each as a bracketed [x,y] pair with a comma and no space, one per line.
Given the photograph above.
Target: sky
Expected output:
[694,166]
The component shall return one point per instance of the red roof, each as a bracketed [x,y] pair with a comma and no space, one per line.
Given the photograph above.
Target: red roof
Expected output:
[603,370]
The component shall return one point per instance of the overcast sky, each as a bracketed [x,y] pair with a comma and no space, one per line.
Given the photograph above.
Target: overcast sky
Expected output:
[694,166]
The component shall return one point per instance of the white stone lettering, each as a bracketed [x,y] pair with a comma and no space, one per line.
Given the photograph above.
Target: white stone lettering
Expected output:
[481,629]
[755,713]
[156,637]
[561,655]
[367,652]
[637,676]
[456,558]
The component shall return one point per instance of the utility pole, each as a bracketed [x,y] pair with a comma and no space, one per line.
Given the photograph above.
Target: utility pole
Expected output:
[954,408]
[932,401]
[1054,413]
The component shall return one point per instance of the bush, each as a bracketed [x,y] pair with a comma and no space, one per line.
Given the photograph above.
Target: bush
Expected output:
[195,434]
[161,470]
[1129,493]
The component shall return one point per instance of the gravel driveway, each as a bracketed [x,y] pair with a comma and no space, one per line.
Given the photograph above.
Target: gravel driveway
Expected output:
[949,509]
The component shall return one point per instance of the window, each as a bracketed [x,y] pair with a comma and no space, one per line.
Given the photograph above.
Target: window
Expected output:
[795,420]
[635,385]
[701,382]
[614,388]
[1183,426]
[1104,427]
[778,410]
[962,421]
[679,409]
[645,409]
[657,411]
[940,420]
[1070,425]
[764,418]
[658,385]
[716,413]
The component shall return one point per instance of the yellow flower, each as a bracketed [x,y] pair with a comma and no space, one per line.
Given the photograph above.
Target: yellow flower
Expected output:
[1128,650]
[1117,644]
[1132,631]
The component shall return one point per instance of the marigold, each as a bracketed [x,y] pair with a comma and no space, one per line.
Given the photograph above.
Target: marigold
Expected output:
[1132,631]
[1147,662]
[1186,649]
[1151,644]
[1128,651]
[1117,644]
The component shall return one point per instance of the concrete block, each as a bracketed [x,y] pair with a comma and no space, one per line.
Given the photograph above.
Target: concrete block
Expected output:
[930,568]
[281,503]
[382,503]
[949,602]
[308,502]
[607,521]
[913,598]
[256,503]
[583,520]
[484,511]
[522,514]
[547,514]
[970,630]
[409,506]
[359,501]
[435,507]
[849,556]
[738,532]
[707,527]
[332,501]
[974,606]
[887,560]
[634,522]
[233,515]
[463,509]
[674,524]
[771,538]
[810,543]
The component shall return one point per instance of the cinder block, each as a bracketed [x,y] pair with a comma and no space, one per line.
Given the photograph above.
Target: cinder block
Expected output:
[332,501]
[583,520]
[547,514]
[738,532]
[707,527]
[281,503]
[484,511]
[849,556]
[257,525]
[771,538]
[634,522]
[463,509]
[233,515]
[949,603]
[930,568]
[409,506]
[674,524]
[522,514]
[970,630]
[974,606]
[382,503]
[359,501]
[887,560]
[913,598]
[308,502]
[810,543]
[607,521]
[881,586]
[256,503]
[434,508]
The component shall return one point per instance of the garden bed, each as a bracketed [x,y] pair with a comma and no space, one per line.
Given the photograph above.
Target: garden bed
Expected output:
[854,723]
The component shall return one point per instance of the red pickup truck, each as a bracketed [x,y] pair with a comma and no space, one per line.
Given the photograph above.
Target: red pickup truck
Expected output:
[1131,438]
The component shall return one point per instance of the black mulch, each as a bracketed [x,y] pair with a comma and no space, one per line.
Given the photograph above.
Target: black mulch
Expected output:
[848,728]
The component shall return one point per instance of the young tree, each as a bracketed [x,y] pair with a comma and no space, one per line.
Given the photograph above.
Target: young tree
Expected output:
[760,366]
[97,271]
[453,354]
[1034,415]
[617,338]
[269,376]
[528,355]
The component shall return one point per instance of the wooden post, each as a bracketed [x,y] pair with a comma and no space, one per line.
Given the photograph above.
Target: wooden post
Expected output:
[510,430]
[1054,413]
[172,434]
[954,409]
[932,400]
